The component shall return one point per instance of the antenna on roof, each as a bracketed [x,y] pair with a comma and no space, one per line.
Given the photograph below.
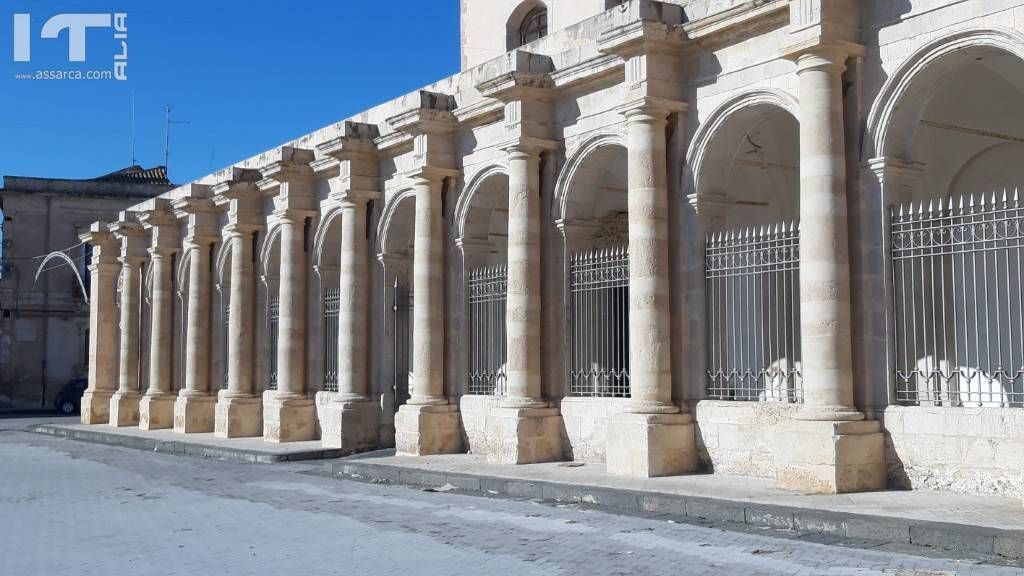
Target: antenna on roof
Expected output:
[167,137]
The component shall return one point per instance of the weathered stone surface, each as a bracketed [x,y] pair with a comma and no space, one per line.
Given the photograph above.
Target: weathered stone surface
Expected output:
[650,445]
[524,436]
[238,417]
[288,420]
[156,412]
[124,409]
[350,426]
[194,413]
[422,430]
[830,457]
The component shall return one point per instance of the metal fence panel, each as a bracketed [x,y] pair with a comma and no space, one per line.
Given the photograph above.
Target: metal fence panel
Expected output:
[958,307]
[401,317]
[488,292]
[599,323]
[753,314]
[332,305]
[274,315]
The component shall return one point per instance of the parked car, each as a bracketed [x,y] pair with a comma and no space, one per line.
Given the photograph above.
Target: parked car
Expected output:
[69,399]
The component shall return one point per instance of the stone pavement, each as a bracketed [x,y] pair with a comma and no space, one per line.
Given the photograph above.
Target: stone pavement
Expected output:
[985,524]
[74,508]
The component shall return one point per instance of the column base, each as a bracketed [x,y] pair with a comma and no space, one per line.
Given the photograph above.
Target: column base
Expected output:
[830,457]
[287,419]
[95,406]
[238,417]
[650,445]
[194,414]
[524,435]
[425,430]
[124,409]
[156,412]
[349,425]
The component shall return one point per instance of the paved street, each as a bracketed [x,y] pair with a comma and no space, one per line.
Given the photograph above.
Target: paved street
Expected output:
[74,508]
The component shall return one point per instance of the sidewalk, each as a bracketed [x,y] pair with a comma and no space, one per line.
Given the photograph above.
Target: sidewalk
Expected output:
[987,525]
[976,524]
[250,450]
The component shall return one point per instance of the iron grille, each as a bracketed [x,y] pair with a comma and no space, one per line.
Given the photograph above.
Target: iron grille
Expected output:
[488,291]
[599,323]
[401,317]
[958,303]
[274,314]
[332,305]
[225,342]
[753,314]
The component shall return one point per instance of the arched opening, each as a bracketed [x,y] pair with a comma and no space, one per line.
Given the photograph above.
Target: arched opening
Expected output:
[595,227]
[483,239]
[395,257]
[746,163]
[527,23]
[327,267]
[270,309]
[222,315]
[949,133]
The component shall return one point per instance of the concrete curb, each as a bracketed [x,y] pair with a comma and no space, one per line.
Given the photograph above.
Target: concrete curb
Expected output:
[953,537]
[185,448]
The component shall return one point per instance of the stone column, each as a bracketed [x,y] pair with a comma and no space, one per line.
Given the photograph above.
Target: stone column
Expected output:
[157,408]
[428,424]
[193,410]
[124,404]
[353,418]
[524,429]
[652,438]
[239,411]
[102,326]
[831,448]
[289,415]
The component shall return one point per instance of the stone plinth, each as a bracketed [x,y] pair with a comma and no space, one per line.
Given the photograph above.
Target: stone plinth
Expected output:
[826,457]
[96,406]
[349,425]
[194,413]
[524,435]
[238,417]
[124,409]
[288,419]
[421,430]
[156,412]
[651,445]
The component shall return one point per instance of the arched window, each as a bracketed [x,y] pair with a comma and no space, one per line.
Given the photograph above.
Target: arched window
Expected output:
[534,26]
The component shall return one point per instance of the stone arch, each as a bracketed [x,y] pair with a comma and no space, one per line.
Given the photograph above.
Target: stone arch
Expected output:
[517,18]
[267,247]
[324,239]
[718,146]
[222,263]
[482,209]
[575,167]
[396,224]
[892,120]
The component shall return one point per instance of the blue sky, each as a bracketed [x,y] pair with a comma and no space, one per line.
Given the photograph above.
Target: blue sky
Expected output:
[246,76]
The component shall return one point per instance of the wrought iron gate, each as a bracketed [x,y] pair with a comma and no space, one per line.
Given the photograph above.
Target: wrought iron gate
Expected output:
[599,323]
[488,292]
[401,318]
[958,308]
[332,305]
[225,341]
[753,314]
[274,316]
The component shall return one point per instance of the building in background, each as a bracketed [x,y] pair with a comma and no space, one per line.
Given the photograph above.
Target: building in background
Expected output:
[44,324]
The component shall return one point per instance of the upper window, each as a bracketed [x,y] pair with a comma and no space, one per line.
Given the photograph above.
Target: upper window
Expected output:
[535,26]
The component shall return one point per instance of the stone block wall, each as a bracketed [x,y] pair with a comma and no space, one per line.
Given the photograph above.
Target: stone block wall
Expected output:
[473,410]
[967,450]
[738,437]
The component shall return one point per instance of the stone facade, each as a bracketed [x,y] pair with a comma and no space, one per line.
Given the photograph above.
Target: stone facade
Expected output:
[329,288]
[44,322]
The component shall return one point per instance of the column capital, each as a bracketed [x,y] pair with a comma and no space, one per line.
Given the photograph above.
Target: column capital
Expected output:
[644,35]
[287,164]
[98,235]
[652,107]
[823,24]
[358,139]
[433,115]
[233,229]
[517,76]
[432,174]
[529,146]
[888,168]
[292,215]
